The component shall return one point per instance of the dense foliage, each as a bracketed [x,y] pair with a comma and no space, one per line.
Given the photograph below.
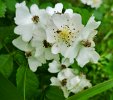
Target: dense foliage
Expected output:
[16,75]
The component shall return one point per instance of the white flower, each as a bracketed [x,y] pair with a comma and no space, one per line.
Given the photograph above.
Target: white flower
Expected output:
[78,83]
[92,3]
[58,10]
[27,20]
[56,66]
[83,49]
[62,79]
[41,45]
[69,82]
[62,31]
[33,61]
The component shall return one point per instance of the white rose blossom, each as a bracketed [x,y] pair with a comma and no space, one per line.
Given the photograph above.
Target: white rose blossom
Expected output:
[33,61]
[62,31]
[27,20]
[92,3]
[69,82]
[83,48]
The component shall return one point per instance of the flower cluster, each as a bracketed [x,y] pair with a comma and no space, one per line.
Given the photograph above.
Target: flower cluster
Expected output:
[92,3]
[66,78]
[57,36]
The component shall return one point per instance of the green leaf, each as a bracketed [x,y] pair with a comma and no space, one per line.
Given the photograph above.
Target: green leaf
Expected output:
[7,90]
[92,91]
[10,5]
[2,9]
[1,45]
[98,15]
[6,65]
[54,93]
[7,34]
[31,2]
[27,82]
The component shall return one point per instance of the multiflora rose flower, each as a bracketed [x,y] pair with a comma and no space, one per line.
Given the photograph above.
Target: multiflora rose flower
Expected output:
[72,39]
[27,20]
[83,48]
[62,31]
[69,82]
[33,61]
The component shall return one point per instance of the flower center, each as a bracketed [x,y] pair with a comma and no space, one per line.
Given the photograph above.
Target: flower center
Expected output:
[28,54]
[86,43]
[65,35]
[35,19]
[46,44]
[63,66]
[64,82]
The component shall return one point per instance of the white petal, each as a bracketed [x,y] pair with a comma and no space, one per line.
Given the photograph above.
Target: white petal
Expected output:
[66,62]
[65,74]
[50,10]
[81,85]
[76,22]
[63,47]
[55,49]
[69,11]
[58,7]
[87,55]
[54,67]
[55,81]
[44,17]
[65,91]
[26,31]
[34,10]
[89,28]
[39,47]
[72,51]
[39,33]
[42,59]
[60,20]
[51,28]
[20,44]
[73,83]
[22,14]
[49,55]
[33,63]
[92,24]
